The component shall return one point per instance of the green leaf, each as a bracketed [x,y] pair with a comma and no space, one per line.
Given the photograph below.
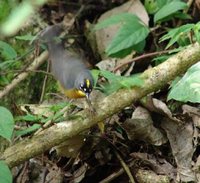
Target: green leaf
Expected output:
[6,123]
[5,173]
[28,130]
[151,6]
[95,74]
[57,107]
[196,29]
[169,9]
[161,3]
[27,37]
[19,15]
[4,65]
[187,89]
[7,51]
[122,53]
[5,7]
[176,34]
[118,82]
[115,19]
[27,117]
[182,15]
[128,36]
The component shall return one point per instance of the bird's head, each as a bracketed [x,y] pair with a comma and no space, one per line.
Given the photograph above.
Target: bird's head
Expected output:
[86,87]
[84,84]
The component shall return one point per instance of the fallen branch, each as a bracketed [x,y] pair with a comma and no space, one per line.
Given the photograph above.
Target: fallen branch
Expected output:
[36,63]
[154,79]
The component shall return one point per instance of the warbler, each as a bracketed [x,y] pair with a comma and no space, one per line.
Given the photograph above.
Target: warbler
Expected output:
[69,69]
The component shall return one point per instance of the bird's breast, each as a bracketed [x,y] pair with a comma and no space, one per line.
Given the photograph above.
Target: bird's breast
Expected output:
[74,93]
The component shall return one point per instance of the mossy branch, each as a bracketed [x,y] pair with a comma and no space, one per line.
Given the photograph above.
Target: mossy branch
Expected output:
[154,79]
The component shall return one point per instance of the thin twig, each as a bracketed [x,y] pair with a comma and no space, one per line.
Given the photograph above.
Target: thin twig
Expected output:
[141,57]
[114,175]
[125,167]
[44,83]
[36,63]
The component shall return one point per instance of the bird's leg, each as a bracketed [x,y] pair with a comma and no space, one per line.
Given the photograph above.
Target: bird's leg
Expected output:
[93,112]
[91,108]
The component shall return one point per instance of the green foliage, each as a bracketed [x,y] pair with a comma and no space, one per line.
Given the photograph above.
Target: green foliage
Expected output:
[27,37]
[27,130]
[131,35]
[158,60]
[6,51]
[28,118]
[118,82]
[152,6]
[19,15]
[5,7]
[168,10]
[182,35]
[133,32]
[187,89]
[5,173]
[6,123]
[196,30]
[37,120]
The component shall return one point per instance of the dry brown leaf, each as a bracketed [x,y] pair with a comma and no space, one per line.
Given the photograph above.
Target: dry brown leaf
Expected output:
[80,173]
[71,147]
[140,126]
[158,165]
[181,141]
[158,106]
[197,2]
[196,168]
[162,108]
[55,175]
[147,176]
[107,65]
[194,113]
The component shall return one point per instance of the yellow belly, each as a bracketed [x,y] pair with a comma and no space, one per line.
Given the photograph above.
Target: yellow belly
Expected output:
[74,93]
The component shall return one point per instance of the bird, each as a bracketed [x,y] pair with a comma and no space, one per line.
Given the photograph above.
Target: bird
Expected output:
[69,69]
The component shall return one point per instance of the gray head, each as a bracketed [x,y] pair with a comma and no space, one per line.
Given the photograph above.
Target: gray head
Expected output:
[49,34]
[84,82]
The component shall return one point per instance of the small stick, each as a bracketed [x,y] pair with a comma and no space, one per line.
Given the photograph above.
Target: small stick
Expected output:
[114,175]
[141,57]
[125,167]
[44,84]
